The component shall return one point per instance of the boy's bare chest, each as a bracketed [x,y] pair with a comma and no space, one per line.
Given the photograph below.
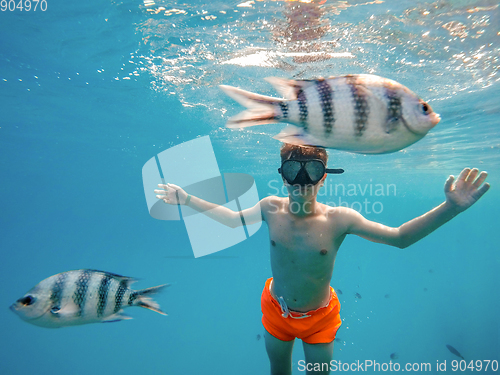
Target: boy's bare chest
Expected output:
[312,234]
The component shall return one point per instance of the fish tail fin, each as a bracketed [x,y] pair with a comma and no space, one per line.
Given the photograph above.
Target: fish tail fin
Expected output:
[142,298]
[261,109]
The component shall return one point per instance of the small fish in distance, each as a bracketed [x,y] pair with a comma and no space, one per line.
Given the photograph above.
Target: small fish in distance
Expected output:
[454,351]
[360,113]
[81,297]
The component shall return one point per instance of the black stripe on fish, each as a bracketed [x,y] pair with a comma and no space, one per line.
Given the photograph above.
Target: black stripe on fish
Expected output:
[394,110]
[303,112]
[284,110]
[122,288]
[361,107]
[132,298]
[325,97]
[82,286]
[103,294]
[57,290]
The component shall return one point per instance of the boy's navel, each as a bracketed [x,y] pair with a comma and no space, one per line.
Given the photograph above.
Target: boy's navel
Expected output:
[273,243]
[323,252]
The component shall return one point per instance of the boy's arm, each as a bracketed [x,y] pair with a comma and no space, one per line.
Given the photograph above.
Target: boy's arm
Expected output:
[173,194]
[459,196]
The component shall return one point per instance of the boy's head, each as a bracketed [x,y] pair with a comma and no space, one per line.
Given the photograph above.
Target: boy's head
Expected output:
[303,169]
[303,165]
[289,151]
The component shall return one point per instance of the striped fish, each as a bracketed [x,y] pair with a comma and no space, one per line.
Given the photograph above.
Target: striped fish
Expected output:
[358,113]
[81,297]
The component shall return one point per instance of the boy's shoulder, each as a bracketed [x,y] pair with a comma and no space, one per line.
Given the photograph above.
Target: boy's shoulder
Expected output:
[271,201]
[340,213]
[335,210]
[344,218]
[271,205]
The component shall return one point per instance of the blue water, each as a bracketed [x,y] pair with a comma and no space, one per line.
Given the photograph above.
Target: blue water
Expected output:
[89,91]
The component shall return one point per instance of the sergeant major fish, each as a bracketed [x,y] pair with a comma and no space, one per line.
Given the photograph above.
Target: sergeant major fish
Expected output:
[358,113]
[81,297]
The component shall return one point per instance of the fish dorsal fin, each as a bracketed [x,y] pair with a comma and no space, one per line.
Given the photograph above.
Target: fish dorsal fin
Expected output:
[289,88]
[363,90]
[129,280]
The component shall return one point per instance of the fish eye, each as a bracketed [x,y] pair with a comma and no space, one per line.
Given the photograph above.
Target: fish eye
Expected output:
[26,301]
[425,108]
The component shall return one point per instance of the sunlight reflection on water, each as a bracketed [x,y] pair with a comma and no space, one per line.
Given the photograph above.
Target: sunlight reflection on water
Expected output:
[444,51]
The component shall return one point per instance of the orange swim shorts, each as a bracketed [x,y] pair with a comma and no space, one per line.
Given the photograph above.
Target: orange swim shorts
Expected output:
[314,327]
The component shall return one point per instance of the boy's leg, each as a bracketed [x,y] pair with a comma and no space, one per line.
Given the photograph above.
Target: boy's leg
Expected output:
[280,354]
[321,354]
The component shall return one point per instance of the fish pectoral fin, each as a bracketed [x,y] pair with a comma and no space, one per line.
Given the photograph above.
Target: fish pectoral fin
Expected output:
[392,124]
[296,136]
[55,310]
[66,311]
[117,317]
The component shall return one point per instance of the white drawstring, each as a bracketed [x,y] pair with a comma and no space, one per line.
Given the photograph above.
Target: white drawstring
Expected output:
[284,308]
[285,312]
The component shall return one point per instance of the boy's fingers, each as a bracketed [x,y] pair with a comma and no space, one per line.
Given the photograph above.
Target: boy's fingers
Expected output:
[463,175]
[449,183]
[480,179]
[480,192]
[472,175]
[172,186]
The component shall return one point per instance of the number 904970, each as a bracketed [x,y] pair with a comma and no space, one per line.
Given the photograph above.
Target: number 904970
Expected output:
[23,5]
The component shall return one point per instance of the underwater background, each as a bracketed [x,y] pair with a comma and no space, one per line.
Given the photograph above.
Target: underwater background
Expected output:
[91,90]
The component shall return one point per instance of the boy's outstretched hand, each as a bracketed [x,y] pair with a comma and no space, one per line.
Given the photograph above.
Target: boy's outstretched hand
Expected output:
[171,194]
[467,189]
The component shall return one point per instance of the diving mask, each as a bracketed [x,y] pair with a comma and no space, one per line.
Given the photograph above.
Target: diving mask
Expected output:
[305,172]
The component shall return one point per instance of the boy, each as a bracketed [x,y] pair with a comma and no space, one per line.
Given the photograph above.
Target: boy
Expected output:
[305,236]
